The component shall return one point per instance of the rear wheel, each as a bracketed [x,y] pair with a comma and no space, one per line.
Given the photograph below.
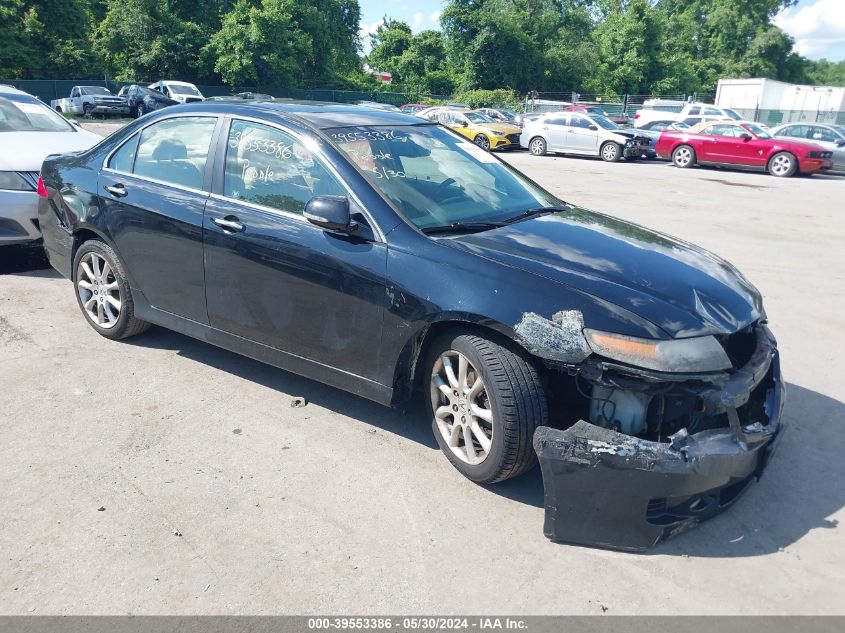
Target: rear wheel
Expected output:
[683,156]
[611,152]
[103,293]
[783,165]
[485,402]
[537,146]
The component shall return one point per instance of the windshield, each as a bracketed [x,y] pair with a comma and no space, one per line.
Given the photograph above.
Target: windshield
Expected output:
[95,90]
[604,122]
[477,117]
[183,90]
[437,178]
[26,116]
[757,131]
[840,129]
[733,114]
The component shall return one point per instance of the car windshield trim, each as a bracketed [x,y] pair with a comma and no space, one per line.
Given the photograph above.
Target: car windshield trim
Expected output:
[757,131]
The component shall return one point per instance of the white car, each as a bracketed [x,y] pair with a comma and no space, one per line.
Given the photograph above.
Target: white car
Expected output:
[29,132]
[826,135]
[584,135]
[180,91]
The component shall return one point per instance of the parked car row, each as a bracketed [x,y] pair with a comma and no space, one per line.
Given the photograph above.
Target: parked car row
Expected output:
[132,99]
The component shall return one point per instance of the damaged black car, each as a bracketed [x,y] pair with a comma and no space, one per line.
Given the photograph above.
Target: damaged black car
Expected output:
[387,256]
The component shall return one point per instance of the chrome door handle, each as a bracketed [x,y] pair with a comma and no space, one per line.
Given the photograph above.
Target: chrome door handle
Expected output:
[229,224]
[118,190]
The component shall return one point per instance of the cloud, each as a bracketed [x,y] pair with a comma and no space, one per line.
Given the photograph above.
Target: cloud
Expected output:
[435,17]
[365,29]
[416,23]
[818,28]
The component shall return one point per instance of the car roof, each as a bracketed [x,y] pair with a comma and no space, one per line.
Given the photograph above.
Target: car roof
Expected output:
[175,83]
[313,113]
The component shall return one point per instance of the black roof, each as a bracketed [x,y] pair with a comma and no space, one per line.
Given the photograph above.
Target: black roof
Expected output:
[314,113]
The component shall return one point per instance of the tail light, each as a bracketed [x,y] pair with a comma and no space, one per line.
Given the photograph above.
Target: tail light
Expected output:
[42,190]
[636,116]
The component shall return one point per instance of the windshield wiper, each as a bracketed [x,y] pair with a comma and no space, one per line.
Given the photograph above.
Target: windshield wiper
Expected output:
[530,213]
[463,227]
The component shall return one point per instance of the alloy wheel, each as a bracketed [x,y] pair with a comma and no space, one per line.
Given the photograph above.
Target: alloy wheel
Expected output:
[683,156]
[781,165]
[482,141]
[98,289]
[462,409]
[538,146]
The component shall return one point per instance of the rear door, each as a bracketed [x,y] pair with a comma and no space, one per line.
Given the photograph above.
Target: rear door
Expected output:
[153,190]
[273,277]
[554,130]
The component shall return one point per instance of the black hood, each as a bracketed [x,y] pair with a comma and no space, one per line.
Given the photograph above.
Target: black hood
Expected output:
[682,289]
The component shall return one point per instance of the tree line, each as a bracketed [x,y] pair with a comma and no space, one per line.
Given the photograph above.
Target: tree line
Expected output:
[591,46]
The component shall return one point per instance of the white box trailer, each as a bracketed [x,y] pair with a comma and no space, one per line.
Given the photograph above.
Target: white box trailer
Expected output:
[798,102]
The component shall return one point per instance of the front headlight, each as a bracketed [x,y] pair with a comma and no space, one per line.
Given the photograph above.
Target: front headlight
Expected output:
[13,181]
[683,355]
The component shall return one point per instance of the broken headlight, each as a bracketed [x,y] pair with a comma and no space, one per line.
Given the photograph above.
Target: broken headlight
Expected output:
[683,355]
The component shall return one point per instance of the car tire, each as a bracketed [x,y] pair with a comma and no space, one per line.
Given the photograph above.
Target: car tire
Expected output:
[103,294]
[537,146]
[683,156]
[783,165]
[511,396]
[86,109]
[611,152]
[140,110]
[482,141]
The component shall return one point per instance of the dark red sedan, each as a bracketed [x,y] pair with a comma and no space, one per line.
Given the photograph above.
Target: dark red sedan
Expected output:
[743,145]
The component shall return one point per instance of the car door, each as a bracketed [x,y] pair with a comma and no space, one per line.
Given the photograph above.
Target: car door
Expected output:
[276,279]
[579,137]
[153,190]
[554,131]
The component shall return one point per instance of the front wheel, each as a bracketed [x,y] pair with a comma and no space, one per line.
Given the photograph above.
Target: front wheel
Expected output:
[783,165]
[482,141]
[485,401]
[140,110]
[103,293]
[87,108]
[611,152]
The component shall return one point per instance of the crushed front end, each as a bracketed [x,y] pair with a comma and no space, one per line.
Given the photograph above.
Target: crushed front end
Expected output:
[651,454]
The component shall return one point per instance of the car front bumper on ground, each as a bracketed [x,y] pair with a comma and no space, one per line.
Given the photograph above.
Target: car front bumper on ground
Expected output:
[634,149]
[18,217]
[110,109]
[606,489]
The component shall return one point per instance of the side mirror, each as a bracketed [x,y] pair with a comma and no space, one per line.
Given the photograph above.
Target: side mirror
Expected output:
[331,213]
[464,124]
[841,143]
[746,137]
[594,128]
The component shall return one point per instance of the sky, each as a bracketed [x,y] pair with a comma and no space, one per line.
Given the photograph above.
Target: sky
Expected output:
[818,26]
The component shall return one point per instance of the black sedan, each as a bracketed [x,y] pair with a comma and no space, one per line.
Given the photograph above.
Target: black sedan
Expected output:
[387,256]
[142,100]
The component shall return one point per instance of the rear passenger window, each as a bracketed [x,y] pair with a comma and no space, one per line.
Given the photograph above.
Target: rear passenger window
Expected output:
[175,151]
[269,167]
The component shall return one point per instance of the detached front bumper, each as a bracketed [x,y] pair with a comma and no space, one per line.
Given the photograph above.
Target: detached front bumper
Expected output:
[634,149]
[607,489]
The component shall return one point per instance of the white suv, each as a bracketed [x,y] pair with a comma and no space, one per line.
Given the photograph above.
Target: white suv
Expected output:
[180,91]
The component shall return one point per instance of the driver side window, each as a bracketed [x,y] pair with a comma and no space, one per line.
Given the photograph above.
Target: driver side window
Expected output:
[269,167]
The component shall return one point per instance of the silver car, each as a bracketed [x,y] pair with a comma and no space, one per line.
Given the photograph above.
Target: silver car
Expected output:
[583,134]
[829,136]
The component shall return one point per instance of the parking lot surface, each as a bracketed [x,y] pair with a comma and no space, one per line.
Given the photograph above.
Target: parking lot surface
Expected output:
[163,475]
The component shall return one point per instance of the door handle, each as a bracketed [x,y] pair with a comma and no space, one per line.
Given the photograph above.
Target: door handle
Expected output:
[118,190]
[229,223]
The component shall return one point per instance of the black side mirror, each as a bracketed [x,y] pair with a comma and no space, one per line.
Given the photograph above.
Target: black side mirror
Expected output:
[841,143]
[331,213]
[594,128]
[746,137]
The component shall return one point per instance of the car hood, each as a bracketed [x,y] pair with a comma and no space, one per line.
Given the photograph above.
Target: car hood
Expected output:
[684,290]
[25,151]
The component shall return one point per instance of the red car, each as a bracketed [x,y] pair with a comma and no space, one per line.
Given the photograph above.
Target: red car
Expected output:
[741,144]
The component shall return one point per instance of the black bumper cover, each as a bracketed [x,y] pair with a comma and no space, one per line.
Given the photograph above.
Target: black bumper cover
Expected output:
[606,489]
